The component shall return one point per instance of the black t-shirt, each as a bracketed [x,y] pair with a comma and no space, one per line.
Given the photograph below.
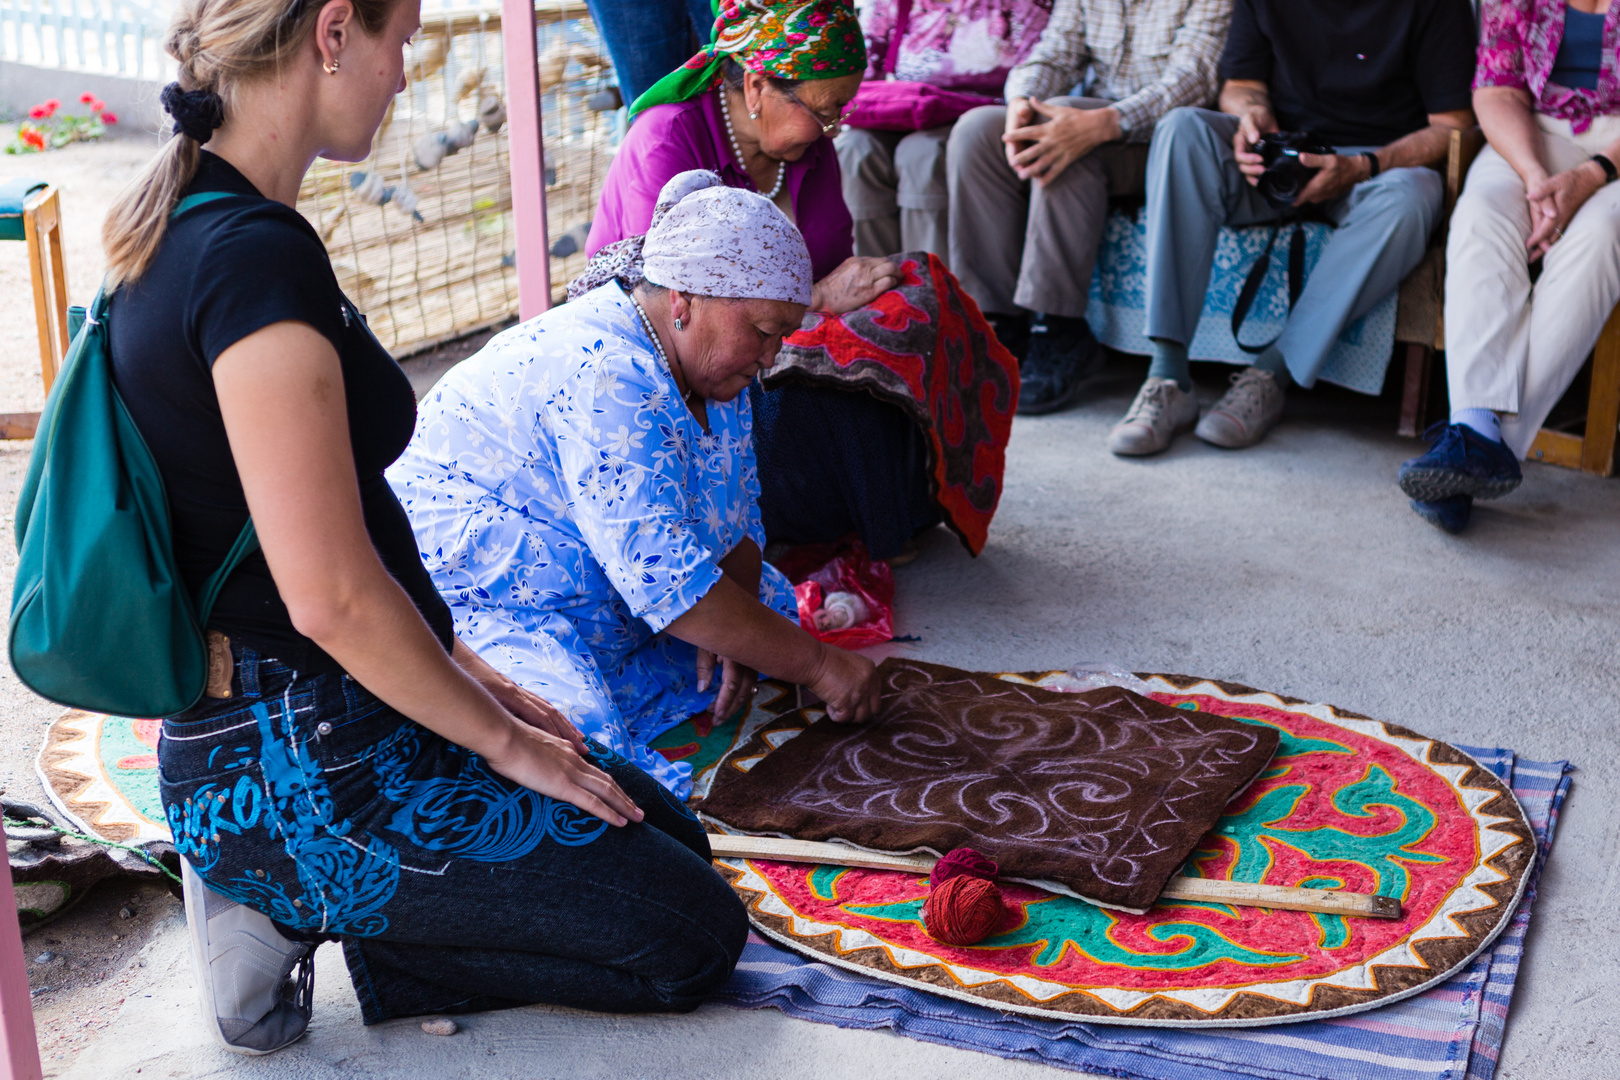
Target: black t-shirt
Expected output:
[224,270]
[1354,72]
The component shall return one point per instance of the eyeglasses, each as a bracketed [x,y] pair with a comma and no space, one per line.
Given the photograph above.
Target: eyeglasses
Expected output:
[827,126]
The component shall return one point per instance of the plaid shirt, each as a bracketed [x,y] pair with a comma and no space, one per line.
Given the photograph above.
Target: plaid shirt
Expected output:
[1146,56]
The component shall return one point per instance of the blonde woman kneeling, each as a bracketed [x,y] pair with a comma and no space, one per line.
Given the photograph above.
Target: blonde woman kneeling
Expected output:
[366,778]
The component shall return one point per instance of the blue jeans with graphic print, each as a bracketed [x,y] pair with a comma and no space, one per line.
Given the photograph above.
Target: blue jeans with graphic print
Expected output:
[452,889]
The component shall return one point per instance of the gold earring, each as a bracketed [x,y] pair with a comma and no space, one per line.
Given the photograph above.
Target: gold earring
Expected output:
[330,69]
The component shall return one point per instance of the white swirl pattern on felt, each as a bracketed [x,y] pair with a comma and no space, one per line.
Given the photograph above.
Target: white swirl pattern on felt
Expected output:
[955,773]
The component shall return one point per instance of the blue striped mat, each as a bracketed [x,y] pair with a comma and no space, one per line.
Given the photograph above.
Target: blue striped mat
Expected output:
[1452,1032]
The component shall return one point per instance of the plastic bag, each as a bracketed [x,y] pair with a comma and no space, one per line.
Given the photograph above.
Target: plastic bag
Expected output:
[819,571]
[1095,676]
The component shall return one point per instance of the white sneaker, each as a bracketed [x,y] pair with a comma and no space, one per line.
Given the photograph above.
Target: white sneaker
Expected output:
[256,987]
[1162,410]
[1245,413]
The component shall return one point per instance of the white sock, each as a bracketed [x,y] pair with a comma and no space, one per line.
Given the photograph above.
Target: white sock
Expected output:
[1484,421]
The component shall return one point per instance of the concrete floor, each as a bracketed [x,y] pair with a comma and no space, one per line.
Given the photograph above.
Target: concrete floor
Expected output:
[1294,566]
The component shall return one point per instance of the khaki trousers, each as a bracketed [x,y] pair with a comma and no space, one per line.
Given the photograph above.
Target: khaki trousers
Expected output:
[1512,346]
[1015,244]
[894,185]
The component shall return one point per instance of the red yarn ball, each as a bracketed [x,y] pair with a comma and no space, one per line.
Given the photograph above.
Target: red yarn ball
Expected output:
[963,860]
[963,910]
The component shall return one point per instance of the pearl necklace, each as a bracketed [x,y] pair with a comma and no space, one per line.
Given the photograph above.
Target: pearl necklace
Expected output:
[781,166]
[658,346]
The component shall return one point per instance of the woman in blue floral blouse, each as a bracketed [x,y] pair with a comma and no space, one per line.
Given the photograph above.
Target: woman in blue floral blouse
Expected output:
[584,490]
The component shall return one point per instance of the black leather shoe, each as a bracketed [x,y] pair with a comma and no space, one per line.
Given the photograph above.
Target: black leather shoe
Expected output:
[1063,354]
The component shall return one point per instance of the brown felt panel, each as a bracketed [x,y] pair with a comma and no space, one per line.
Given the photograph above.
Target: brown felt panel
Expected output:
[1104,792]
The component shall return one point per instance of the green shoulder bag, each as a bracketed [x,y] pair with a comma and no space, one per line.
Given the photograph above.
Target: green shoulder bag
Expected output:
[100,616]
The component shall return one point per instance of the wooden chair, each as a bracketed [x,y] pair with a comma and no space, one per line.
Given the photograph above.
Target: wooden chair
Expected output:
[1592,451]
[1420,311]
[42,228]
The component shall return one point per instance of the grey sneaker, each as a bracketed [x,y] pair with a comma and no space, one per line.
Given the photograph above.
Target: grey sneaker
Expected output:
[1162,410]
[257,988]
[1245,413]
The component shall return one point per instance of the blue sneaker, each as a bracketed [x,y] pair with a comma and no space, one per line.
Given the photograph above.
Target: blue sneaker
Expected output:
[1461,461]
[1449,514]
[1063,354]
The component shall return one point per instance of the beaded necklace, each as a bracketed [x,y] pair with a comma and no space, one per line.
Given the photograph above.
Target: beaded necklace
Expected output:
[658,347]
[781,166]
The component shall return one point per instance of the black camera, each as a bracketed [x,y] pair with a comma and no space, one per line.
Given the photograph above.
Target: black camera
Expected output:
[1285,176]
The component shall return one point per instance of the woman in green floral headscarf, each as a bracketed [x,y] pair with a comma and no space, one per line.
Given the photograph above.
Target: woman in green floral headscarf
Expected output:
[756,106]
[801,42]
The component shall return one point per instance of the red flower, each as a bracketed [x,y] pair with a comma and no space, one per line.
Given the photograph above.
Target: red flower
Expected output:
[97,105]
[52,105]
[37,113]
[109,118]
[86,98]
[34,139]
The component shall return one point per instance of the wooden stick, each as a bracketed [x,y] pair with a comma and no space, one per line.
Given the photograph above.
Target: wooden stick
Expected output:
[1208,890]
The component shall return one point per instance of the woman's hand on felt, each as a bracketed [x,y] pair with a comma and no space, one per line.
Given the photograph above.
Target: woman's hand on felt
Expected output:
[736,683]
[847,682]
[542,762]
[1554,202]
[525,705]
[858,281]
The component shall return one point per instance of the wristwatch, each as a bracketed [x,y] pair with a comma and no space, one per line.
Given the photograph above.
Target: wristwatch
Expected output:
[1610,173]
[1372,163]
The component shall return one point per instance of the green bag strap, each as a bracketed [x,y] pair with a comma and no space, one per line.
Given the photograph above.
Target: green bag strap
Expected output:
[199,198]
[247,541]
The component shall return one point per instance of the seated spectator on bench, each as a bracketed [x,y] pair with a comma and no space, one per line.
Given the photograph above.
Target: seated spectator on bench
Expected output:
[1548,98]
[1029,183]
[1382,82]
[894,181]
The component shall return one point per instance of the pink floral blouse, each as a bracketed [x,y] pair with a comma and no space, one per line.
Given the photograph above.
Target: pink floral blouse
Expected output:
[1518,41]
[967,45]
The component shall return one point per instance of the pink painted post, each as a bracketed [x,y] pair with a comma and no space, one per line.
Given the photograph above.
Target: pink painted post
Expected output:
[528,157]
[19,1049]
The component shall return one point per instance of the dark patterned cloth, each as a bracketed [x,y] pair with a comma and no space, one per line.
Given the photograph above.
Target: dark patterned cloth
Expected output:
[835,462]
[1102,794]
[926,348]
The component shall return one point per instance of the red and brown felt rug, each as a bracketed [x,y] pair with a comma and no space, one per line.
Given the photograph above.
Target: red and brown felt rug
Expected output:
[1347,802]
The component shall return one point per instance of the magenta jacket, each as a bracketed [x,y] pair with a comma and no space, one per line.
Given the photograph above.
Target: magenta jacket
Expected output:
[670,139]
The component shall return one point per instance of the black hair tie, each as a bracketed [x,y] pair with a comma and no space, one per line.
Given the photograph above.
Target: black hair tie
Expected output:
[196,112]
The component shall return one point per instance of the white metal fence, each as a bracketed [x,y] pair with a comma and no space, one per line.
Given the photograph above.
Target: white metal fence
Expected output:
[112,37]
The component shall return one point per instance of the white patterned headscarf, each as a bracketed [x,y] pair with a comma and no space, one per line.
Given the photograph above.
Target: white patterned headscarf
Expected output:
[708,239]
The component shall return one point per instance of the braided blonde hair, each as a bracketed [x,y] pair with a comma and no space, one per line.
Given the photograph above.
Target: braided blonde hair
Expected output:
[219,44]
